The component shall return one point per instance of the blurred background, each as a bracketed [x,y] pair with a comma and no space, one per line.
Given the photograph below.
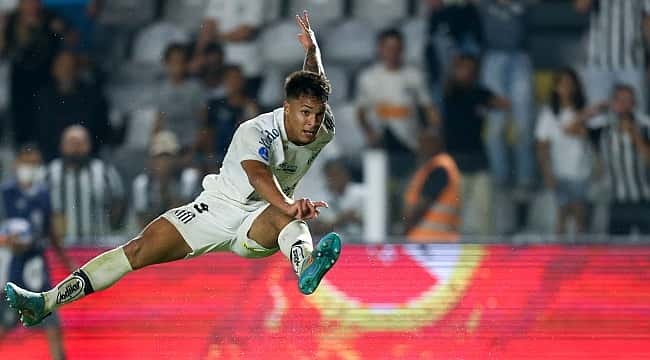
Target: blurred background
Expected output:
[489,174]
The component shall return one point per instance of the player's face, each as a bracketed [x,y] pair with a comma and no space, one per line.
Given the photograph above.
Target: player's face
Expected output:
[303,118]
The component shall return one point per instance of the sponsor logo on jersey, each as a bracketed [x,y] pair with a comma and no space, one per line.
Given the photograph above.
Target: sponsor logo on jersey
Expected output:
[268,137]
[70,290]
[288,168]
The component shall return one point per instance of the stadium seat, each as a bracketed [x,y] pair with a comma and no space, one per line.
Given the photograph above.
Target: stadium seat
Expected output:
[279,45]
[128,98]
[272,11]
[414,39]
[349,136]
[324,11]
[4,86]
[271,91]
[350,43]
[186,14]
[380,13]
[128,13]
[340,80]
[151,42]
[7,6]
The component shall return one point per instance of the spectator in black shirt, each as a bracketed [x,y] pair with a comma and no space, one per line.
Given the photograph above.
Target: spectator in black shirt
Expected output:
[226,113]
[31,39]
[68,100]
[465,104]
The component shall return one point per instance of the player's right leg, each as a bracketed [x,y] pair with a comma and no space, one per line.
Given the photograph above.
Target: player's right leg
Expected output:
[272,229]
[159,242]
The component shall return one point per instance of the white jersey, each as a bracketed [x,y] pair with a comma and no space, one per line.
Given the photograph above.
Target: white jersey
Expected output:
[264,139]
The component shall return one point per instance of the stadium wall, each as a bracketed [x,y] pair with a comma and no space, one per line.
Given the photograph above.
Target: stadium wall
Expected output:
[458,301]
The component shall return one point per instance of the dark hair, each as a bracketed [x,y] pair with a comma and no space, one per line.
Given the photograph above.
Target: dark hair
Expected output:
[390,33]
[174,47]
[232,67]
[579,100]
[307,83]
[450,84]
[213,47]
[624,87]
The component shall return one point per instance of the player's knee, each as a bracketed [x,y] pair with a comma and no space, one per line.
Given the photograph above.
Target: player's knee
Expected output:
[133,252]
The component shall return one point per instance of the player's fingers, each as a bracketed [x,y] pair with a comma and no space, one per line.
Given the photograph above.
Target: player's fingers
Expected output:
[306,17]
[301,24]
[321,204]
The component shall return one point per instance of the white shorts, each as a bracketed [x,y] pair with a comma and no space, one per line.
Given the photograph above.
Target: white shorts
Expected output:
[214,223]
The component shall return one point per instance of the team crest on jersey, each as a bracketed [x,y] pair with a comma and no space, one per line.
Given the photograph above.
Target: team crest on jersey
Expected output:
[264,153]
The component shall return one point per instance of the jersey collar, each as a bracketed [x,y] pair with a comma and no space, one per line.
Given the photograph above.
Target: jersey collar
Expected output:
[278,117]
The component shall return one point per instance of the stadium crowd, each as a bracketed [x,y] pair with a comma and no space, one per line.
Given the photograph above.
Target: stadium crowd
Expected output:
[129,103]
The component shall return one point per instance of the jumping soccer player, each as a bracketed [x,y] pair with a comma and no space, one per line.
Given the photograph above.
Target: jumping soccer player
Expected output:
[246,209]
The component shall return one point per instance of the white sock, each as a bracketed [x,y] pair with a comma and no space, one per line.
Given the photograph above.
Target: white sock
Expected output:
[295,243]
[97,274]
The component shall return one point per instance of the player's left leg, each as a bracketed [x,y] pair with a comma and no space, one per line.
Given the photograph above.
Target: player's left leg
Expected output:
[273,229]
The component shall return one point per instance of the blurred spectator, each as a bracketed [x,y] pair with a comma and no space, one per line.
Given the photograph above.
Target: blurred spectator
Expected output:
[565,155]
[614,50]
[161,187]
[346,200]
[226,113]
[179,99]
[69,100]
[432,199]
[465,103]
[209,67]
[622,138]
[87,193]
[26,229]
[507,71]
[80,16]
[389,95]
[31,39]
[452,29]
[236,24]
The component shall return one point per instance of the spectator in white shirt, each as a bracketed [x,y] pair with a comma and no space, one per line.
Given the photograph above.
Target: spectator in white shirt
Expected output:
[346,200]
[389,95]
[565,155]
[235,23]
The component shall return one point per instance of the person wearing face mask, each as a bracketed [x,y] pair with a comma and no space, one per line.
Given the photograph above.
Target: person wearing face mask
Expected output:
[87,193]
[25,206]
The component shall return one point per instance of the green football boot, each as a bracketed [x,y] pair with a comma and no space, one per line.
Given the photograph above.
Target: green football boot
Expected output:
[30,305]
[319,263]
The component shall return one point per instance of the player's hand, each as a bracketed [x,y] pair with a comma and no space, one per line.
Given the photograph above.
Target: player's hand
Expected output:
[306,37]
[305,209]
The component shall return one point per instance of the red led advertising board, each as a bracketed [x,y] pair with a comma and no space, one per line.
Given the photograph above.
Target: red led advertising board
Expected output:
[379,302]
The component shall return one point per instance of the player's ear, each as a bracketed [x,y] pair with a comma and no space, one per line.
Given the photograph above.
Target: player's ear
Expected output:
[285,104]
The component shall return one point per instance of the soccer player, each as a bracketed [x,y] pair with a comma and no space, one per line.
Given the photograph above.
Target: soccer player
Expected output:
[25,206]
[246,209]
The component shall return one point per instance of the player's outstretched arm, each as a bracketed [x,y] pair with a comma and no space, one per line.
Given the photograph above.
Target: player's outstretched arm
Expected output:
[308,41]
[265,185]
